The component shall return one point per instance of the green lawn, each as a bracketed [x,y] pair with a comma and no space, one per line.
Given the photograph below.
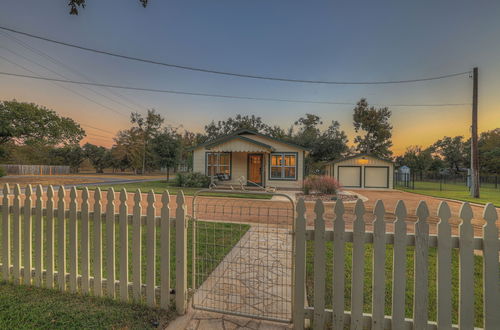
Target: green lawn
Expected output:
[478,297]
[162,185]
[26,307]
[456,191]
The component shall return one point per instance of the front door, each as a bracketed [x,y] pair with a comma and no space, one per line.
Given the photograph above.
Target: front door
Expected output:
[255,169]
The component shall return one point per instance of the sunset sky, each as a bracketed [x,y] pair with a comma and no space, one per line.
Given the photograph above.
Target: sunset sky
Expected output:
[314,40]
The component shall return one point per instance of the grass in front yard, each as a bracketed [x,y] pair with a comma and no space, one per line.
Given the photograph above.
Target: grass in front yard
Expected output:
[27,307]
[160,186]
[367,292]
[457,191]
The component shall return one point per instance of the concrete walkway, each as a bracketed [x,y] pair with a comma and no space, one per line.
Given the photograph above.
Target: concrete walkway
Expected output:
[254,279]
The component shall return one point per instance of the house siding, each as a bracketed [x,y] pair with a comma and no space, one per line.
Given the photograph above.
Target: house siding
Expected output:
[240,160]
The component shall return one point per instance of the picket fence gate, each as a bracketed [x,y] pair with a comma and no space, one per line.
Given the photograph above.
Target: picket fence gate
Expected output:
[55,222]
[400,239]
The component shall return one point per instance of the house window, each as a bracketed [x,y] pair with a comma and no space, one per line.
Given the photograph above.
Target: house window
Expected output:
[283,166]
[219,163]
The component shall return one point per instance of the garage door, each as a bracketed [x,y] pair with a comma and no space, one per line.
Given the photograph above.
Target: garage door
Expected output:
[350,176]
[377,177]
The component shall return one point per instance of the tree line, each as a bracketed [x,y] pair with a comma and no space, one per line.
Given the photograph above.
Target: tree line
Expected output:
[33,134]
[451,155]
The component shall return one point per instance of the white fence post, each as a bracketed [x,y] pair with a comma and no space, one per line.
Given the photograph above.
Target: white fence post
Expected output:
[85,247]
[444,268]
[97,242]
[378,278]
[73,242]
[61,238]
[150,250]
[466,271]
[110,242]
[358,262]
[39,236]
[50,238]
[399,267]
[319,266]
[136,246]
[421,269]
[6,232]
[338,265]
[181,255]
[123,223]
[16,231]
[300,264]
[165,251]
[28,258]
[491,297]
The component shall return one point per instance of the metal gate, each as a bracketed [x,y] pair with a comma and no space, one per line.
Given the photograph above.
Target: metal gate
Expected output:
[243,254]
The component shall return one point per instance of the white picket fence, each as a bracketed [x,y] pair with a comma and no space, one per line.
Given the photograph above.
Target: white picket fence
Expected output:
[48,224]
[400,239]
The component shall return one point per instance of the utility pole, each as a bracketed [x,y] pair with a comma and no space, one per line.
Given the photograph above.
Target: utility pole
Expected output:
[474,189]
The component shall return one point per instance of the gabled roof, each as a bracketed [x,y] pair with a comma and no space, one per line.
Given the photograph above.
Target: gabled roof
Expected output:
[361,155]
[239,137]
[238,133]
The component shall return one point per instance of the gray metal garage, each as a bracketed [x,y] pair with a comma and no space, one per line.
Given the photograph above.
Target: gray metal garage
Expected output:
[363,171]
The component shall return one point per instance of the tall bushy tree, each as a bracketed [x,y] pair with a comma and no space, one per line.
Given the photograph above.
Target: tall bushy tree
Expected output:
[224,127]
[454,152]
[489,151]
[147,128]
[128,150]
[376,128]
[72,155]
[418,159]
[99,157]
[331,144]
[167,148]
[28,123]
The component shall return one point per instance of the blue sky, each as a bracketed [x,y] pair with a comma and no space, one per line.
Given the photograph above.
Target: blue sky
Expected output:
[320,40]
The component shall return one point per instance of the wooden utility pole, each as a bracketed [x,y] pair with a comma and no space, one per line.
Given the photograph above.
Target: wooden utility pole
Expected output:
[474,189]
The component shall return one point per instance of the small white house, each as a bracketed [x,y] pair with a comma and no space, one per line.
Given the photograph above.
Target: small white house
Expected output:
[363,171]
[254,158]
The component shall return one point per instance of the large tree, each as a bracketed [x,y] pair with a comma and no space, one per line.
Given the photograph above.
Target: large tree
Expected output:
[375,128]
[489,151]
[308,131]
[99,157]
[128,150]
[147,127]
[331,144]
[418,159]
[167,149]
[224,127]
[28,123]
[72,155]
[454,152]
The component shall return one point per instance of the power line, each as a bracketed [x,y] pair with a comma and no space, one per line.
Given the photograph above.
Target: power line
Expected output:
[69,89]
[61,64]
[219,95]
[96,128]
[58,62]
[234,74]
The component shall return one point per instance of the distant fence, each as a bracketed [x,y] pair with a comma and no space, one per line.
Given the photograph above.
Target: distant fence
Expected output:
[91,251]
[442,181]
[400,239]
[36,169]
